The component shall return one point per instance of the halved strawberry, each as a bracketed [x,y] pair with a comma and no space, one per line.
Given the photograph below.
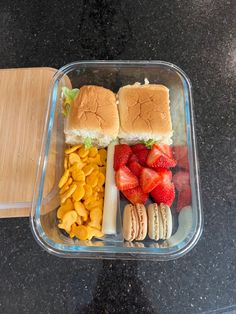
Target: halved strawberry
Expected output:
[142,156]
[125,179]
[121,155]
[148,179]
[137,147]
[133,157]
[156,158]
[136,195]
[184,198]
[164,173]
[135,168]
[181,180]
[166,149]
[181,155]
[164,193]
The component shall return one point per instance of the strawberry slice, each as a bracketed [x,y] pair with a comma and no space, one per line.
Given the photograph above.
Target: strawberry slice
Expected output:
[121,155]
[181,155]
[125,179]
[184,198]
[181,180]
[164,174]
[156,158]
[149,179]
[137,147]
[142,156]
[166,149]
[136,195]
[133,157]
[135,168]
[164,193]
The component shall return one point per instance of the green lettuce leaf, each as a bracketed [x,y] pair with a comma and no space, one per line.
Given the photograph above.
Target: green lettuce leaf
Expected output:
[149,143]
[87,142]
[66,109]
[69,93]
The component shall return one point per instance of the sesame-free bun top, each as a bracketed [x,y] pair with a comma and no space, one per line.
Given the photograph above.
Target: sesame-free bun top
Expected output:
[93,114]
[145,113]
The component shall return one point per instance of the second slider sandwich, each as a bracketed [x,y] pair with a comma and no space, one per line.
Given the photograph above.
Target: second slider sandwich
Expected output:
[145,114]
[93,117]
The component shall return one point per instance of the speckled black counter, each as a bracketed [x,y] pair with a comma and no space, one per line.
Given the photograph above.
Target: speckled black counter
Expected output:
[198,37]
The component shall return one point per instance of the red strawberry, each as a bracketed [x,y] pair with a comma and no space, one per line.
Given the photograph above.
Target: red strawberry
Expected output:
[125,179]
[148,179]
[142,156]
[164,193]
[136,195]
[181,180]
[184,198]
[133,157]
[121,155]
[181,155]
[156,158]
[166,149]
[137,147]
[165,174]
[135,168]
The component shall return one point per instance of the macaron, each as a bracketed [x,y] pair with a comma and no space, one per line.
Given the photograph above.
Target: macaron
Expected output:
[142,220]
[130,223]
[159,222]
[153,222]
[134,222]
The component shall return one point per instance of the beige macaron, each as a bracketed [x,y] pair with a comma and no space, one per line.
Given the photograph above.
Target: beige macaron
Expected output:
[134,222]
[153,222]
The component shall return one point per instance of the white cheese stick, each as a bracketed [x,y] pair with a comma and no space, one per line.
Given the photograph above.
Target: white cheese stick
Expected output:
[111,195]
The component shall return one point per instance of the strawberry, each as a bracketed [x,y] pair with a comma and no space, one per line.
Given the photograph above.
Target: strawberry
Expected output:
[156,158]
[121,155]
[135,168]
[137,147]
[142,156]
[181,155]
[181,180]
[125,179]
[184,198]
[164,174]
[166,149]
[149,179]
[164,193]
[136,195]
[133,157]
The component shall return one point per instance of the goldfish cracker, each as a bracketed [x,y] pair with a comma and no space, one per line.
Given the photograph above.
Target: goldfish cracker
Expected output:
[93,204]
[103,170]
[66,186]
[95,166]
[99,188]
[72,149]
[81,211]
[79,220]
[73,230]
[73,158]
[68,193]
[95,214]
[82,233]
[92,180]
[101,179]
[88,169]
[78,174]
[78,193]
[88,192]
[93,152]
[64,179]
[93,232]
[66,164]
[67,220]
[89,200]
[85,160]
[83,152]
[103,156]
[95,224]
[64,208]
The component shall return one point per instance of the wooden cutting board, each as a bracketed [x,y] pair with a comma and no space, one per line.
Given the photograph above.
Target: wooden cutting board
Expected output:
[23,103]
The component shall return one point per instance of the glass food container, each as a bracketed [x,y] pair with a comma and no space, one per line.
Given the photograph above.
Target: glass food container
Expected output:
[187,224]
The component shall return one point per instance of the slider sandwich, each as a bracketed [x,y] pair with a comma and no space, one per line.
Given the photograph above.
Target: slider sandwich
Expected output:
[93,117]
[144,114]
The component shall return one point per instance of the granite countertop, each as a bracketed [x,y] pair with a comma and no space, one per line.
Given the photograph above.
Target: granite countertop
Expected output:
[198,37]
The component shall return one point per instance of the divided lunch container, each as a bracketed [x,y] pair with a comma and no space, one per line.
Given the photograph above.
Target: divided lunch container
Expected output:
[187,225]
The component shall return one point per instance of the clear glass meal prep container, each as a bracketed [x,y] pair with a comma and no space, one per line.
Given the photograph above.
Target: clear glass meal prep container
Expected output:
[187,226]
